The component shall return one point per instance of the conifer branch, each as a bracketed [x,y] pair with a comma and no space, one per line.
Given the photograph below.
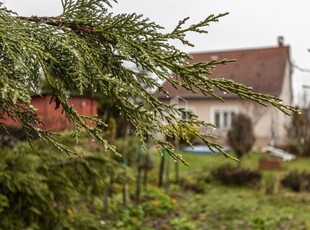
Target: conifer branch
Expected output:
[86,47]
[57,22]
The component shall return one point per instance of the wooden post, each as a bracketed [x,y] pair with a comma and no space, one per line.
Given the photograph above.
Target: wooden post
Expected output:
[138,188]
[177,147]
[146,169]
[167,184]
[124,190]
[161,168]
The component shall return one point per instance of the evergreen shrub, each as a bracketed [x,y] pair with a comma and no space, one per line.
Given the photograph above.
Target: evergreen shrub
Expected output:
[231,175]
[241,135]
[297,181]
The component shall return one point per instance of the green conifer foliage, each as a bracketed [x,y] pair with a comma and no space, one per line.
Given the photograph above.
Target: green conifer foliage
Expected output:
[42,189]
[241,135]
[89,47]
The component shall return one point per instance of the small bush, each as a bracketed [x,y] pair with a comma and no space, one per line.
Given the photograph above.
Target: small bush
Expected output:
[228,174]
[241,135]
[302,150]
[157,202]
[294,149]
[297,181]
[305,150]
[129,218]
[182,223]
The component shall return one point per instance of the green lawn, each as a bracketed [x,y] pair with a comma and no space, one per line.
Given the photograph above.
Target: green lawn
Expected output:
[245,208]
[230,207]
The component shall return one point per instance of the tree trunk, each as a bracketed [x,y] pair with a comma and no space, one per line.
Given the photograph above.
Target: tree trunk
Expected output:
[176,172]
[167,184]
[147,167]
[105,200]
[145,179]
[138,183]
[161,168]
[177,147]
[138,189]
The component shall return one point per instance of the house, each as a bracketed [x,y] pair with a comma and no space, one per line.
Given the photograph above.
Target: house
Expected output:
[267,70]
[55,119]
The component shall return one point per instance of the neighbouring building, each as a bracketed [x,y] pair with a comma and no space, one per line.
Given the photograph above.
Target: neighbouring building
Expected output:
[55,119]
[267,70]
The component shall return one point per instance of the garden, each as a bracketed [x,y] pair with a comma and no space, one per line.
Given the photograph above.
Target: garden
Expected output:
[42,188]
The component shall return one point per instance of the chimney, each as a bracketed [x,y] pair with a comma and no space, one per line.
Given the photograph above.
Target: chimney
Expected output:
[280,41]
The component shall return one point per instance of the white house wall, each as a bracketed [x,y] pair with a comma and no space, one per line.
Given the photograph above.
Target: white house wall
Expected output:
[283,121]
[204,109]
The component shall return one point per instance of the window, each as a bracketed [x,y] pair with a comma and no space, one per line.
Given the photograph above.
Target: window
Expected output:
[179,102]
[222,117]
[187,116]
[217,119]
[225,116]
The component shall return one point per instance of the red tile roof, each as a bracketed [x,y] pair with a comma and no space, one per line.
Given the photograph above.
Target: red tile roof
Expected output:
[263,69]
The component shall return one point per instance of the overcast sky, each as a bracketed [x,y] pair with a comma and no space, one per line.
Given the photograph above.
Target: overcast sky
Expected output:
[250,24]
